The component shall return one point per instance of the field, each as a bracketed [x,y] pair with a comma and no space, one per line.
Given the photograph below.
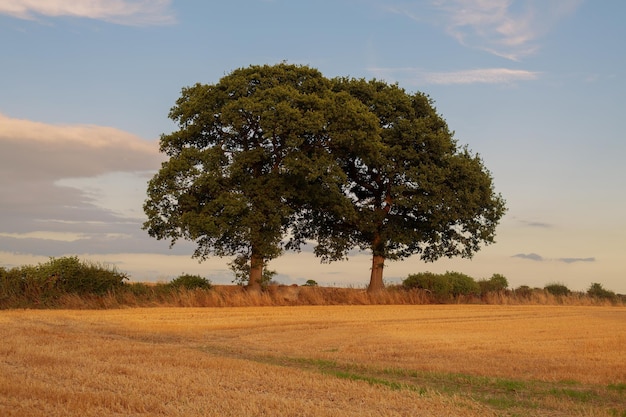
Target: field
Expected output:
[373,360]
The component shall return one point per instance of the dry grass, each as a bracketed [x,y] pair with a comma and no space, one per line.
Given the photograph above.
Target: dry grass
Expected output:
[380,360]
[143,295]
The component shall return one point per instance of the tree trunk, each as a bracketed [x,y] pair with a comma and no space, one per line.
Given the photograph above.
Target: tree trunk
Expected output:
[376,278]
[256,272]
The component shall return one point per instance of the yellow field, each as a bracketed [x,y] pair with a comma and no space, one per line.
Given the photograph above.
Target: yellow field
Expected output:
[444,360]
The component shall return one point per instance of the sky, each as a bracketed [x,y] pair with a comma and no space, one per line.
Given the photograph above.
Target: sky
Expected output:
[535,87]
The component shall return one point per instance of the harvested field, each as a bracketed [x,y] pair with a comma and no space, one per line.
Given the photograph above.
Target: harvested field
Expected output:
[398,360]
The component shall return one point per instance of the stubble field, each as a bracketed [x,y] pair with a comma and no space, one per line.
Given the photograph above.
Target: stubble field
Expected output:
[430,360]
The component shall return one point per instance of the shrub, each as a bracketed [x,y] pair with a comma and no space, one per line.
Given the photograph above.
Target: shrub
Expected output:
[523,291]
[597,291]
[461,284]
[69,274]
[557,289]
[10,283]
[436,284]
[138,289]
[310,283]
[190,282]
[496,283]
[44,284]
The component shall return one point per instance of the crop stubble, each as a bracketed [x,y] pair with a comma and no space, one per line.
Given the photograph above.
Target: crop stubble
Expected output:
[305,360]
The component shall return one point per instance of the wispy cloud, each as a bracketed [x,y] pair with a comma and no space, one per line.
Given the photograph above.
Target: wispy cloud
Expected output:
[540,225]
[573,260]
[530,256]
[506,28]
[418,76]
[484,76]
[538,258]
[125,12]
[60,236]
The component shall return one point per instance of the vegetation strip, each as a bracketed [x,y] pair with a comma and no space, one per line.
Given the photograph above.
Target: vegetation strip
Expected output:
[502,394]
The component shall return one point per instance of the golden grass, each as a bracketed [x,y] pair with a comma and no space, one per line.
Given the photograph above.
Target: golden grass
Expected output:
[144,295]
[313,361]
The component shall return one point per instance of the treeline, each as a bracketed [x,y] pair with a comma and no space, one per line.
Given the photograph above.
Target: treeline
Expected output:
[451,286]
[68,282]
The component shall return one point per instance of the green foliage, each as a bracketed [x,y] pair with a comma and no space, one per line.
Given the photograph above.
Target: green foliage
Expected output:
[619,387]
[414,191]
[435,284]
[251,161]
[241,269]
[461,284]
[71,275]
[557,288]
[281,151]
[310,283]
[443,286]
[44,283]
[496,283]
[523,291]
[597,291]
[138,289]
[190,282]
[10,283]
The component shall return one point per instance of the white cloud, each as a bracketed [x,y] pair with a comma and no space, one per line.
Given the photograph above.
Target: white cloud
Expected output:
[33,150]
[486,76]
[505,28]
[126,12]
[60,236]
[417,76]
[71,188]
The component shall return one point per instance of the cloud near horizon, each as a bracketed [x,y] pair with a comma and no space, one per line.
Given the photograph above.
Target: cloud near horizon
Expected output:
[124,12]
[537,224]
[35,150]
[538,258]
[55,178]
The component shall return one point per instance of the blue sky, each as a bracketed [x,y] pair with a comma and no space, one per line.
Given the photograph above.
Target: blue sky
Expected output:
[535,87]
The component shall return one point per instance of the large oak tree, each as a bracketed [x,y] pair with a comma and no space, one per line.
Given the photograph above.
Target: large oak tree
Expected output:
[251,164]
[415,191]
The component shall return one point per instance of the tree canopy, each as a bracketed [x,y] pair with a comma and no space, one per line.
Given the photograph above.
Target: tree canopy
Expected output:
[251,157]
[416,192]
[271,157]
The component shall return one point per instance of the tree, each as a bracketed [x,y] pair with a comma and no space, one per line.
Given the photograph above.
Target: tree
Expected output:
[414,191]
[250,160]
[598,291]
[557,288]
[497,282]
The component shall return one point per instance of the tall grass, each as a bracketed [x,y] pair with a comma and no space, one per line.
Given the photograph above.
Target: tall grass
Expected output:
[160,295]
[70,283]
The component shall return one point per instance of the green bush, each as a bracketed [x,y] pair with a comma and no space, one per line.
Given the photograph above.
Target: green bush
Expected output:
[435,284]
[523,291]
[461,284]
[310,283]
[557,288]
[190,282]
[70,275]
[44,283]
[10,283]
[139,289]
[496,283]
[597,291]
